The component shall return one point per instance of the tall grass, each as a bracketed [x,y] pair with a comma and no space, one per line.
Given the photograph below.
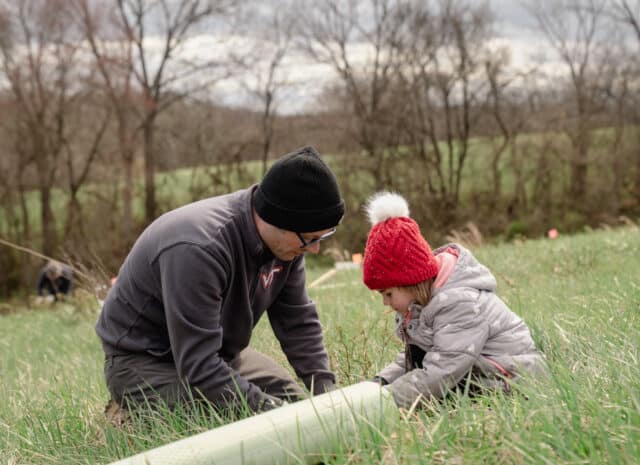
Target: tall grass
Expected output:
[580,295]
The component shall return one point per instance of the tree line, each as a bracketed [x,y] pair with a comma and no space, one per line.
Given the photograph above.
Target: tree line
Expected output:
[102,100]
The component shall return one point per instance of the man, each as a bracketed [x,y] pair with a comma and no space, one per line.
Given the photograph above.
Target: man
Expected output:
[54,281]
[178,321]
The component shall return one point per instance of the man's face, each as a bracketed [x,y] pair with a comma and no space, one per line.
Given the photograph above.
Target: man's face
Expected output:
[287,245]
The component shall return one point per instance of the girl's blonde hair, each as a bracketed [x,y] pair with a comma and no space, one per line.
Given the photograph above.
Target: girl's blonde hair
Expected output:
[421,291]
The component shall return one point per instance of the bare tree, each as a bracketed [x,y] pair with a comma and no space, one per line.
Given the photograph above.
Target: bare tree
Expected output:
[13,174]
[13,178]
[505,108]
[265,80]
[443,56]
[80,154]
[114,65]
[5,27]
[9,227]
[627,12]
[6,191]
[415,88]
[164,76]
[329,30]
[40,73]
[574,28]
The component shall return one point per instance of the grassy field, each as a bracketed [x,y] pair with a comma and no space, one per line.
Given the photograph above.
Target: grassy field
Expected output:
[580,295]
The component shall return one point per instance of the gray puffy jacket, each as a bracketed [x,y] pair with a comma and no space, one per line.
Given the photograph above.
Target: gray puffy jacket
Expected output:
[465,328]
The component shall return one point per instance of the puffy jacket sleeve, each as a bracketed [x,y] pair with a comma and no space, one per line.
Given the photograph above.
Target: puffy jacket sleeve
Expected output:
[393,370]
[459,336]
[294,319]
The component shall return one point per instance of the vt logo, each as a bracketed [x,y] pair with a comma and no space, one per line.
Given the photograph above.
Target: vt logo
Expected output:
[267,278]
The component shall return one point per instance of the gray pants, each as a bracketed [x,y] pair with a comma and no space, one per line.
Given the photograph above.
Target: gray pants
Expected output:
[138,379]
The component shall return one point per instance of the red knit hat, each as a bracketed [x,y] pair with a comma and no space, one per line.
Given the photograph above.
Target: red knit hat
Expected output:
[396,254]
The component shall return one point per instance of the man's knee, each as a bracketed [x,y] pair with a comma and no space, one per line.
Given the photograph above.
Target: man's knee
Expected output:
[267,374]
[139,379]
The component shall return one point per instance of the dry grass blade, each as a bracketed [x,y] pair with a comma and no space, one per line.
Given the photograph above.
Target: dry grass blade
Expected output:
[469,236]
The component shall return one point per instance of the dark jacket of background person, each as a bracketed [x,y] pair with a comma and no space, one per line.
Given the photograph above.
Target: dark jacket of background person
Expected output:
[55,278]
[194,286]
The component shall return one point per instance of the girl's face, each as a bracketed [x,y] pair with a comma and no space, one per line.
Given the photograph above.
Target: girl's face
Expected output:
[397,298]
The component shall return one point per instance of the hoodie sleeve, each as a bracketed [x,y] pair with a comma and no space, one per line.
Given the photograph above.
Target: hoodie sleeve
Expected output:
[459,336]
[295,323]
[193,282]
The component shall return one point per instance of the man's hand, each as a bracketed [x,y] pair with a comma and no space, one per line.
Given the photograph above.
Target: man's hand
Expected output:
[380,380]
[259,401]
[269,402]
[322,385]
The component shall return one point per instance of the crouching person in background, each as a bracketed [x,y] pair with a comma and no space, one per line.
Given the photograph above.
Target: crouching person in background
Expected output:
[455,328]
[55,281]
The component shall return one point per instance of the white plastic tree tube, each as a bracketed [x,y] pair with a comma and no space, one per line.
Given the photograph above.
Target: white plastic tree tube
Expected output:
[302,432]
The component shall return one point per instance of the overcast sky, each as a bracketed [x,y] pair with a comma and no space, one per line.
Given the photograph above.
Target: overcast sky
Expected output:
[514,19]
[513,26]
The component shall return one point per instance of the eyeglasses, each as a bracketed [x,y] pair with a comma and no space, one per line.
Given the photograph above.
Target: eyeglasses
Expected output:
[315,240]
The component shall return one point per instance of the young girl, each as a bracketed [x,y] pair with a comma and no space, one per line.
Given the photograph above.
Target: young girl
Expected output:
[453,324]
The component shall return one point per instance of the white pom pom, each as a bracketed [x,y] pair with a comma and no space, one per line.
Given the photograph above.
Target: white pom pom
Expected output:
[385,205]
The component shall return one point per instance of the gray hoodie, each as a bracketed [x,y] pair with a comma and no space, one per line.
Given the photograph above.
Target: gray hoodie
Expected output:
[465,328]
[193,287]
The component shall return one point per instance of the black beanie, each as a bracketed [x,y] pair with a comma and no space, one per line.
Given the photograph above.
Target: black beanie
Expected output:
[299,193]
